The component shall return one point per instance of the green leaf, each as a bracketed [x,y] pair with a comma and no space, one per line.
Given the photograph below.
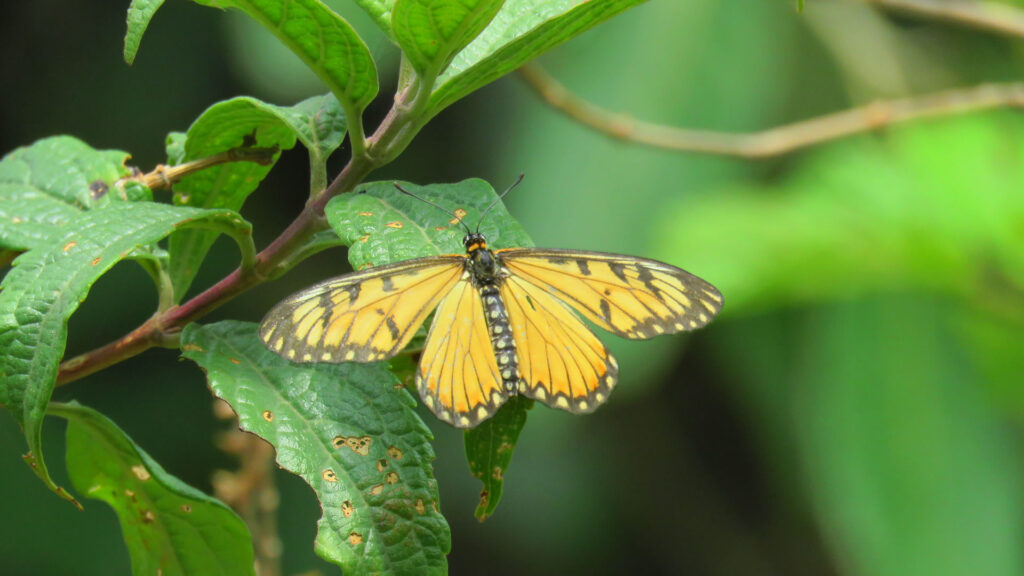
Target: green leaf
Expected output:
[432,32]
[140,12]
[169,527]
[350,431]
[318,123]
[489,449]
[47,284]
[522,30]
[323,40]
[46,185]
[381,225]
[380,11]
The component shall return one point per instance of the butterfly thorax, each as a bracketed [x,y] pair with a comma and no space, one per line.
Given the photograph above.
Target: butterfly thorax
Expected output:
[485,270]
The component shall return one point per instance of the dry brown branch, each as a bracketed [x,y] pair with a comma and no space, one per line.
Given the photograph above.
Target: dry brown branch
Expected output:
[986,16]
[782,139]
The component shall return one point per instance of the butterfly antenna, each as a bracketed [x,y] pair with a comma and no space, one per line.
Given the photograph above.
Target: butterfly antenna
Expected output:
[498,199]
[445,210]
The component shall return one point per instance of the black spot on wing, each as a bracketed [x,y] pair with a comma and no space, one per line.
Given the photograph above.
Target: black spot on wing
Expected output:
[644,275]
[386,285]
[392,328]
[619,269]
[606,310]
[353,291]
[584,267]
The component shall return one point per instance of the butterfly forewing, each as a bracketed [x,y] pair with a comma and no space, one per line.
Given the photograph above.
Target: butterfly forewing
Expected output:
[458,375]
[362,317]
[632,297]
[561,362]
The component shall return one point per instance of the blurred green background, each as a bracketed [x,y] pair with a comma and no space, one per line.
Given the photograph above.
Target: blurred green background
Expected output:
[856,409]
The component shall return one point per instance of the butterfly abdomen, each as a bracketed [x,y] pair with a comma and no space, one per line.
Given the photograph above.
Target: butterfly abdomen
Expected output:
[500,330]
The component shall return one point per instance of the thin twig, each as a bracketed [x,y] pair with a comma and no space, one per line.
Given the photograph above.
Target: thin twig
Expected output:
[780,140]
[987,16]
[165,176]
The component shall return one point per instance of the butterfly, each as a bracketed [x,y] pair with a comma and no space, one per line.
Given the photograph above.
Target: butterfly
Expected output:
[505,321]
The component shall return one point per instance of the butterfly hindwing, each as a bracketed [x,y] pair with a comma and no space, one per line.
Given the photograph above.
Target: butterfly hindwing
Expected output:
[632,297]
[458,376]
[561,362]
[361,317]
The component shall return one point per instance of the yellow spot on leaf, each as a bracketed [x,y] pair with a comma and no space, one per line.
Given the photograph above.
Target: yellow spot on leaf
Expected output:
[364,238]
[420,508]
[382,464]
[347,508]
[366,213]
[70,245]
[395,224]
[391,478]
[192,348]
[235,361]
[95,260]
[268,415]
[140,472]
[330,476]
[186,508]
[376,489]
[394,452]
[355,538]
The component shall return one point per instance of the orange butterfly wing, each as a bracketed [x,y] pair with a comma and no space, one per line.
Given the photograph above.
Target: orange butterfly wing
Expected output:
[561,362]
[458,375]
[360,317]
[632,297]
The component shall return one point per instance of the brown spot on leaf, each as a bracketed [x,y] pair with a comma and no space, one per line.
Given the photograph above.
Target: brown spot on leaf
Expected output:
[95,260]
[394,224]
[268,415]
[192,348]
[382,464]
[235,361]
[186,508]
[366,213]
[439,228]
[358,444]
[148,517]
[394,452]
[70,245]
[498,474]
[98,189]
[330,476]
[364,238]
[485,497]
[420,508]
[376,489]
[347,508]
[355,538]
[130,494]
[391,478]
[460,213]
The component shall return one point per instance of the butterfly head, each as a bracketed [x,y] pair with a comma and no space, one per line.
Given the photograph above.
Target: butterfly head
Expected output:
[474,241]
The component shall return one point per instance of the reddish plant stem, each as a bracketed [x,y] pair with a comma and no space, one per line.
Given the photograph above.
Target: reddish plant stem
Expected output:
[163,328]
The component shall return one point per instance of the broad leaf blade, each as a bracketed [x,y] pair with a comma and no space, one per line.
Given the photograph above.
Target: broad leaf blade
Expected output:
[46,185]
[380,11]
[432,32]
[47,284]
[522,30]
[318,123]
[140,12]
[489,449]
[381,225]
[325,42]
[169,527]
[350,431]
